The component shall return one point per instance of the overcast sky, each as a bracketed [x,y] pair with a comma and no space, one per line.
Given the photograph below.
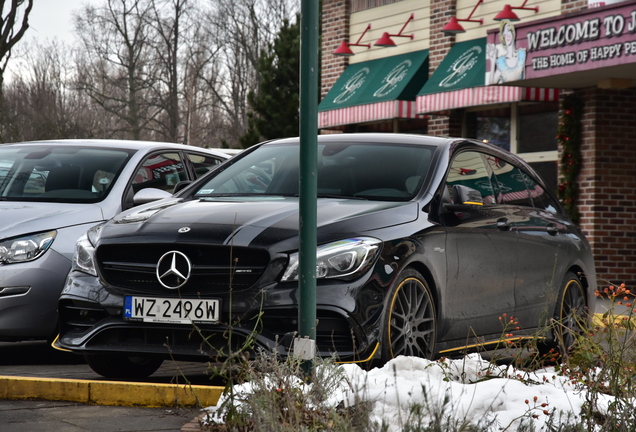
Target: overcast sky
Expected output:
[53,18]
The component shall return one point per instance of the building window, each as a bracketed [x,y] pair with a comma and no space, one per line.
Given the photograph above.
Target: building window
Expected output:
[537,140]
[538,125]
[491,126]
[528,130]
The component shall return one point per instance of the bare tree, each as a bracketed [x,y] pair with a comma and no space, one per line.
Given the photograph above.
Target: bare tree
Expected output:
[204,120]
[42,102]
[176,70]
[115,66]
[242,29]
[15,22]
[221,52]
[168,21]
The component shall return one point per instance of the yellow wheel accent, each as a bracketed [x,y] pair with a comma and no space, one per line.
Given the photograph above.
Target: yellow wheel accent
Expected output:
[572,312]
[410,326]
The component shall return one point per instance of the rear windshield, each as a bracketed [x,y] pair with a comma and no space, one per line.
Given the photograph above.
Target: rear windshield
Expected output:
[374,171]
[58,174]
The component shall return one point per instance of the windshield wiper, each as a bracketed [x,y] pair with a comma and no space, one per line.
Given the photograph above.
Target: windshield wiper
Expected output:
[342,197]
[243,194]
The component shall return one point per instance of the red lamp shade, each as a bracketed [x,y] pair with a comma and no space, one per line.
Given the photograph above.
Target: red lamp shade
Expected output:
[506,14]
[385,41]
[453,27]
[343,50]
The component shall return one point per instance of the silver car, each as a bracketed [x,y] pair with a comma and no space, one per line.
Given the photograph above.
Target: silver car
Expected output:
[51,192]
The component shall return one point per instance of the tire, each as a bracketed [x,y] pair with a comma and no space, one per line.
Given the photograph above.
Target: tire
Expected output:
[571,313]
[123,367]
[409,323]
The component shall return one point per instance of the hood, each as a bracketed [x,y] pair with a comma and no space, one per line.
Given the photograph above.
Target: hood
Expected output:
[17,217]
[257,223]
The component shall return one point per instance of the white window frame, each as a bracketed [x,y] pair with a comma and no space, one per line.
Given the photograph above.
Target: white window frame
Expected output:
[531,157]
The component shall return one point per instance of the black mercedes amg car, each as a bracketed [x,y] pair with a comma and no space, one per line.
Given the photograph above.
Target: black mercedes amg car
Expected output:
[423,243]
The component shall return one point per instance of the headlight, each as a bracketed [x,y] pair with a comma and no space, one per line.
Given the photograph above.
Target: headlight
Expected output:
[25,248]
[344,259]
[84,257]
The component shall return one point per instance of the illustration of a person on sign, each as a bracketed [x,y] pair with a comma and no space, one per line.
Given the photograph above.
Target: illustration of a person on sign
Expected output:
[509,62]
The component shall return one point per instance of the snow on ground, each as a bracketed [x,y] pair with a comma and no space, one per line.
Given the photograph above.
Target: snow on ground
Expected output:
[499,402]
[460,389]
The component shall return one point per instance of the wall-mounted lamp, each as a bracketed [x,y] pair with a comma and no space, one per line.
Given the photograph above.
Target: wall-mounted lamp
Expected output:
[386,41]
[343,49]
[508,14]
[453,26]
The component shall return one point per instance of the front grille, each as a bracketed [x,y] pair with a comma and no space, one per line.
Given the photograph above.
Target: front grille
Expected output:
[215,268]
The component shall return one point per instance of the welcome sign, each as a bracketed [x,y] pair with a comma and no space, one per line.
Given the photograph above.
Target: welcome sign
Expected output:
[598,38]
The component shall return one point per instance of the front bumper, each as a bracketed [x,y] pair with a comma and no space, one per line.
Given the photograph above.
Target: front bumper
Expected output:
[347,323]
[28,297]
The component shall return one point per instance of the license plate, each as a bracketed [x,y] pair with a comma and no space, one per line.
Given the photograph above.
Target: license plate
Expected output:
[171,310]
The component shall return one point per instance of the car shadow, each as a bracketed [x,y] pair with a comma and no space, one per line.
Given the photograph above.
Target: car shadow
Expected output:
[35,353]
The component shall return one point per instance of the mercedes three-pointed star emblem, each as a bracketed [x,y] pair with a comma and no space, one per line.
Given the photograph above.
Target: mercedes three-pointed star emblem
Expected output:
[173,269]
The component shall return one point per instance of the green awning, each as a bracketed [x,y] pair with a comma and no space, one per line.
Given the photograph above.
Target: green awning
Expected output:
[463,67]
[460,81]
[375,90]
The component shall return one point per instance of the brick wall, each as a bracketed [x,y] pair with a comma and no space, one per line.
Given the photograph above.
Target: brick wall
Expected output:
[569,6]
[607,199]
[335,29]
[440,44]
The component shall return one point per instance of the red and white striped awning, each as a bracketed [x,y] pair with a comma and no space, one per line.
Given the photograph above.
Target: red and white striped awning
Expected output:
[486,95]
[367,113]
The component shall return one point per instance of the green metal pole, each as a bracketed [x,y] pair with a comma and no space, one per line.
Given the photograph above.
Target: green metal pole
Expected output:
[305,344]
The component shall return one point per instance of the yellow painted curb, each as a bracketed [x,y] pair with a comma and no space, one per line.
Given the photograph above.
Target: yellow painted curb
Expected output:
[619,319]
[109,392]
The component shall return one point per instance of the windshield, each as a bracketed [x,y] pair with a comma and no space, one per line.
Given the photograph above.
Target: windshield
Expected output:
[58,173]
[375,171]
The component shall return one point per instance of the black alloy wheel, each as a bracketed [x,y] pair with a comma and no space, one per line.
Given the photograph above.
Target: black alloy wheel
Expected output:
[123,367]
[409,322]
[571,313]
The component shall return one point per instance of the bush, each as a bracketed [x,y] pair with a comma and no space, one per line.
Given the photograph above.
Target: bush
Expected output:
[597,370]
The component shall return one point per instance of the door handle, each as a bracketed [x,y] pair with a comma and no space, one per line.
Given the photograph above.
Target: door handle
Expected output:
[503,224]
[552,229]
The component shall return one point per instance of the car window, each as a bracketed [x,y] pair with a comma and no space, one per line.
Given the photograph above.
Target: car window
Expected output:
[203,163]
[468,169]
[512,184]
[59,173]
[254,175]
[376,171]
[540,197]
[35,184]
[161,171]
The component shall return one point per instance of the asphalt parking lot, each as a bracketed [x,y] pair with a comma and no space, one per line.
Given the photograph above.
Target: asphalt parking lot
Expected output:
[42,389]
[37,359]
[53,416]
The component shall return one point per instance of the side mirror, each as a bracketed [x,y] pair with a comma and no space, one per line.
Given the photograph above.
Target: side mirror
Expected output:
[147,195]
[181,185]
[465,195]
[464,198]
